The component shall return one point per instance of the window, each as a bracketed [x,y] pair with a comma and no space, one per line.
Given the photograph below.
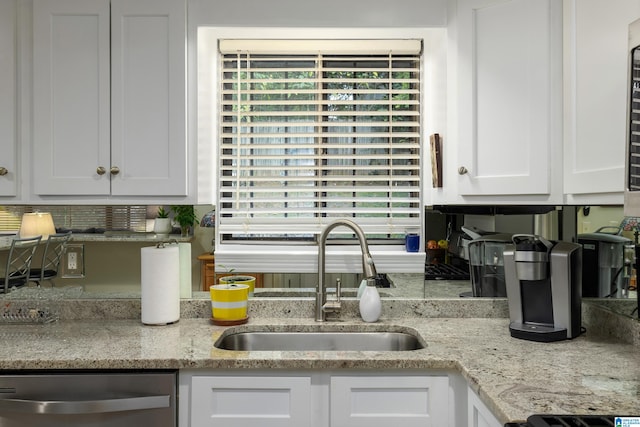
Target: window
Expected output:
[315,130]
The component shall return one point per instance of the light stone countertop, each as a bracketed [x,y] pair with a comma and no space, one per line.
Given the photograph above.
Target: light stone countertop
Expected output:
[128,236]
[593,373]
[109,237]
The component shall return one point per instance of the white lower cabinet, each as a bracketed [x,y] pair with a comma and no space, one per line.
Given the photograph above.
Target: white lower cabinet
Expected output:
[479,414]
[312,398]
[381,401]
[239,401]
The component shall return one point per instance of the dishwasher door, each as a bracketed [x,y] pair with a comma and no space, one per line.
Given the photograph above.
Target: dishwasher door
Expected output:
[67,399]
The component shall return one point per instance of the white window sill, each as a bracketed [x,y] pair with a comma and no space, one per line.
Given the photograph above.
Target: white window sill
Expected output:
[304,259]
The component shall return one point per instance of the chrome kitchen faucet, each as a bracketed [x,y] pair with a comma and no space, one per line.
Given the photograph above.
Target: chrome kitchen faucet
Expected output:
[368,268]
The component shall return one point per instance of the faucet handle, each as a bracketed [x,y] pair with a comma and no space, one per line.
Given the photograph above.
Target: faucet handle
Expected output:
[334,306]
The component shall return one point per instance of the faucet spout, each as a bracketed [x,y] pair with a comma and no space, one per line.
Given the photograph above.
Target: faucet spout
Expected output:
[368,267]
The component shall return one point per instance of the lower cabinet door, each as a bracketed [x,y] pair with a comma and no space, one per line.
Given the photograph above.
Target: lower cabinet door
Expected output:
[236,401]
[379,401]
[479,414]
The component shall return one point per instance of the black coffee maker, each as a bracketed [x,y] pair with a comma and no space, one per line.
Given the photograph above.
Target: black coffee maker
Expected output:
[543,281]
[606,265]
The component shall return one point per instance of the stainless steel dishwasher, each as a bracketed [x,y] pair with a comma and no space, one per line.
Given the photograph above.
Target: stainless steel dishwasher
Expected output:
[97,399]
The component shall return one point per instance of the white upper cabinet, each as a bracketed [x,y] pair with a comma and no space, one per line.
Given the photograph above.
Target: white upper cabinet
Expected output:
[148,122]
[595,90]
[8,100]
[506,101]
[71,97]
[109,98]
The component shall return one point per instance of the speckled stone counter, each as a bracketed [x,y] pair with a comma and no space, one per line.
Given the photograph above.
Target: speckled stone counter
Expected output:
[128,236]
[593,373]
[110,237]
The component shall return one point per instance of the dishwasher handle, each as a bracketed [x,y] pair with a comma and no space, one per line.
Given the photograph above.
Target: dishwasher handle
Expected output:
[80,407]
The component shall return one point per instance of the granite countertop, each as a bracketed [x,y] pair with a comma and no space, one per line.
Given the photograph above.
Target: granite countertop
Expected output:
[110,237]
[593,373]
[127,236]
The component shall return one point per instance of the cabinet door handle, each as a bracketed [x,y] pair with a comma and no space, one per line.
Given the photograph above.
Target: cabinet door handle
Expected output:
[3,171]
[115,170]
[101,170]
[462,170]
[70,407]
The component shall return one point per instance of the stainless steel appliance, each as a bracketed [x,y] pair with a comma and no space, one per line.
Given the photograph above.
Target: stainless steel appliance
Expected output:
[123,399]
[543,281]
[606,264]
[632,164]
[459,240]
[486,261]
[632,170]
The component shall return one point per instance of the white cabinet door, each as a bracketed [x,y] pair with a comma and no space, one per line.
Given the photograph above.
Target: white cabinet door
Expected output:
[71,135]
[109,98]
[509,96]
[148,139]
[596,56]
[381,401]
[479,414]
[250,401]
[8,99]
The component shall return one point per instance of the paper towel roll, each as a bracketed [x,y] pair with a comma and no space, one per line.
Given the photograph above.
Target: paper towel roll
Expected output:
[160,281]
[185,270]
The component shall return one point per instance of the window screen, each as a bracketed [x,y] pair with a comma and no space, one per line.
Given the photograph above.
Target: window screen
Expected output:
[312,131]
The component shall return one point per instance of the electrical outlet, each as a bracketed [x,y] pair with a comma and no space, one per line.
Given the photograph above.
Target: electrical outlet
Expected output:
[73,261]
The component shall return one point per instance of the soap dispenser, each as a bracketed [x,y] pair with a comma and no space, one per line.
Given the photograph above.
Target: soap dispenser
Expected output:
[370,303]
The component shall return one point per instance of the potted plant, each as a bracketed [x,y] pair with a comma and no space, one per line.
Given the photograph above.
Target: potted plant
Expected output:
[239,279]
[162,223]
[185,216]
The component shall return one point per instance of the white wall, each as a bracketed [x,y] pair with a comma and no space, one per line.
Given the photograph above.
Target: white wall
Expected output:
[326,13]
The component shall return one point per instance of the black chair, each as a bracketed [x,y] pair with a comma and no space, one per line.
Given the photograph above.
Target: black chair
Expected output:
[53,251]
[19,263]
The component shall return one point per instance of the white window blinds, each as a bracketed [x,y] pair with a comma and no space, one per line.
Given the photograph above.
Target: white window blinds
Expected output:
[314,131]
[80,218]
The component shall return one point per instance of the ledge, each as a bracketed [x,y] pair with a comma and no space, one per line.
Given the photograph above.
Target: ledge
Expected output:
[126,236]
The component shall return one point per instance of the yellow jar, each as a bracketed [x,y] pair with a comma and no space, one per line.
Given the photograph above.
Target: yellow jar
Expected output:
[229,301]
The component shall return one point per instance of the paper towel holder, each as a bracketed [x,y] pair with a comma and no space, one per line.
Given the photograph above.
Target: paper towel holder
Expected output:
[161,244]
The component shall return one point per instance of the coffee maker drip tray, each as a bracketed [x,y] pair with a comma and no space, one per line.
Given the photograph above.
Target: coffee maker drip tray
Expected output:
[537,332]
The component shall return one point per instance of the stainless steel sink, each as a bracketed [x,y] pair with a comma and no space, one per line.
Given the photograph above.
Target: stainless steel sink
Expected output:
[319,341]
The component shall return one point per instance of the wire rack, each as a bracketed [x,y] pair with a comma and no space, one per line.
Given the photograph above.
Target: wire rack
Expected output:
[11,315]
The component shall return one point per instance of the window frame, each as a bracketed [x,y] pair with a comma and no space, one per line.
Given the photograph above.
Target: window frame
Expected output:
[295,257]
